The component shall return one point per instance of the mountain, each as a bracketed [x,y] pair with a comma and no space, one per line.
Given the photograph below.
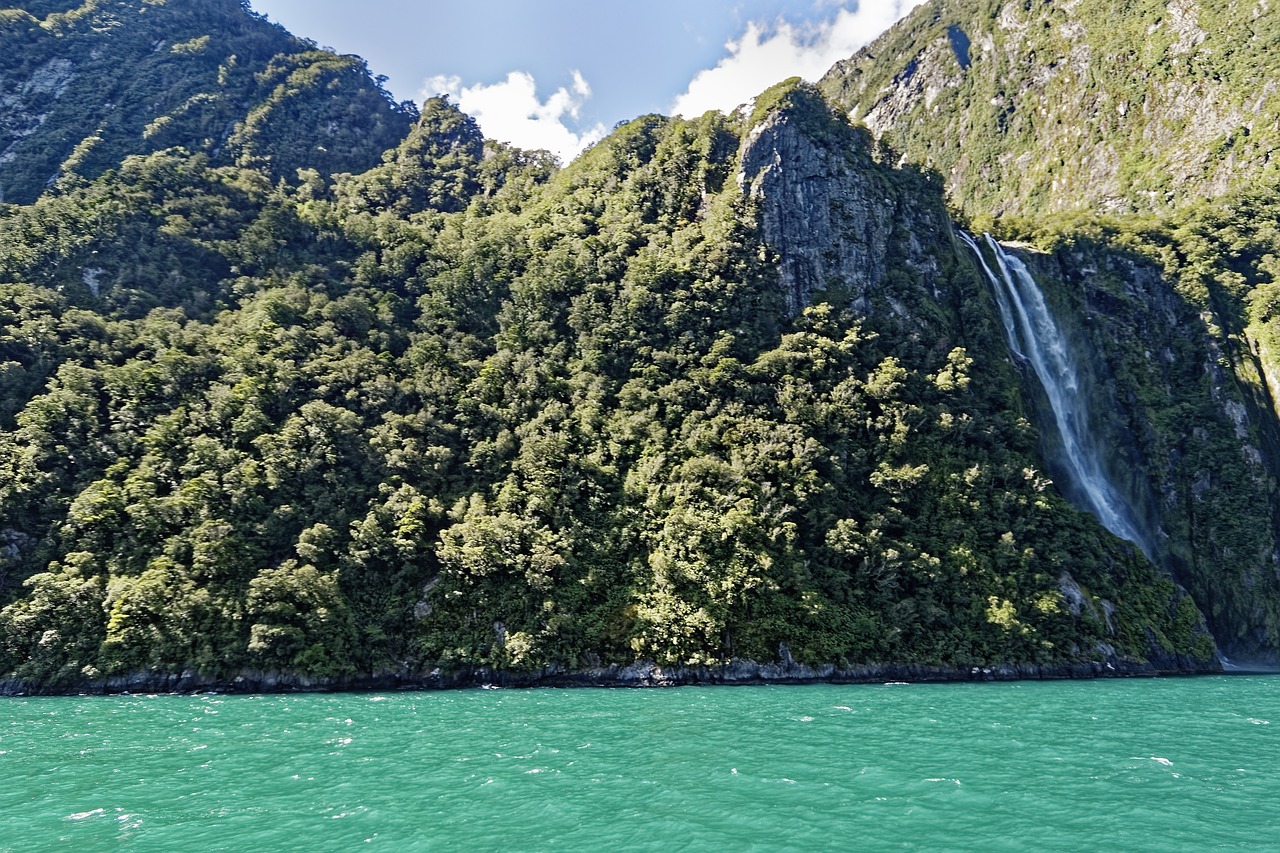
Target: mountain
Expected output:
[83,86]
[1134,144]
[724,399]
[1083,105]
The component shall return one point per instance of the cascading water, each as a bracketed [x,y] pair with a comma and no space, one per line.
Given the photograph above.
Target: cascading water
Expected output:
[1035,339]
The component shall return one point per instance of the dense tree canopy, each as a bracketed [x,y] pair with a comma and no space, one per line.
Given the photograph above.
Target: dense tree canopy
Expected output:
[267,408]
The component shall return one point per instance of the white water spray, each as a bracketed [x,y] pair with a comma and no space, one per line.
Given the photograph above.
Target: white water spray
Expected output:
[1034,338]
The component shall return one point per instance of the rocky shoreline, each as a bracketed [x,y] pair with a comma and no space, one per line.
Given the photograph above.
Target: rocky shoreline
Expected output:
[639,674]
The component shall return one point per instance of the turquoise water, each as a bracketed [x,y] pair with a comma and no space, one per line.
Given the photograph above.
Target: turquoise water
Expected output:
[1178,764]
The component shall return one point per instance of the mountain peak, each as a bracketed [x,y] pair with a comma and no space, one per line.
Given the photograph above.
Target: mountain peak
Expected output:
[1082,105]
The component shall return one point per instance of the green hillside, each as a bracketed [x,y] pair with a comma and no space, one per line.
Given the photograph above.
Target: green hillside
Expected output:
[1140,131]
[84,86]
[721,390]
[1049,106]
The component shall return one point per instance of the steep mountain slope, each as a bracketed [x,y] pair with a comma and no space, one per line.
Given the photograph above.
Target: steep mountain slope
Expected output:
[1136,144]
[1189,443]
[582,420]
[721,390]
[1060,105]
[83,86]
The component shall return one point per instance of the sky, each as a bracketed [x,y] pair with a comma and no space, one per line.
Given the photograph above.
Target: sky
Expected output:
[559,74]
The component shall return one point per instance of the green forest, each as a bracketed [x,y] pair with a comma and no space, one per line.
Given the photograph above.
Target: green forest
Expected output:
[412,401]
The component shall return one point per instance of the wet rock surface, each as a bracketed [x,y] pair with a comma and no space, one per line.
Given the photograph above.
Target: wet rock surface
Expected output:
[643,673]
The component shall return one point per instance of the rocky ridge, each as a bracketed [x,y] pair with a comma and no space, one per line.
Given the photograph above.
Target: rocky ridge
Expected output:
[85,87]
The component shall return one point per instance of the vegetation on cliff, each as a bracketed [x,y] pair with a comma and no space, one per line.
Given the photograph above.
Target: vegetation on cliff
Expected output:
[456,406]
[1135,143]
[1049,106]
[86,85]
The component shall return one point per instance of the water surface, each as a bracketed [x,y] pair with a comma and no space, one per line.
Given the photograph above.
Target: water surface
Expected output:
[1162,764]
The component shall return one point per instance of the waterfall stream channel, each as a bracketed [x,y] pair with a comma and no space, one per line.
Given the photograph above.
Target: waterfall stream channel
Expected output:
[1036,339]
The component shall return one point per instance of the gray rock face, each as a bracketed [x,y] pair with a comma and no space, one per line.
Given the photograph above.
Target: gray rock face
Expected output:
[936,69]
[13,545]
[828,221]
[840,222]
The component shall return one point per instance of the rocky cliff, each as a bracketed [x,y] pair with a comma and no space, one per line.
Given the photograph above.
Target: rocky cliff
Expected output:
[1132,147]
[720,391]
[1191,447]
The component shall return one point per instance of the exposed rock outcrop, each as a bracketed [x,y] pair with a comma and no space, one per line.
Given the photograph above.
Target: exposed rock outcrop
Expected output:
[828,223]
[837,220]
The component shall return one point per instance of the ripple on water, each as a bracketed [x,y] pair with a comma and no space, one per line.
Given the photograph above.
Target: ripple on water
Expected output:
[1058,766]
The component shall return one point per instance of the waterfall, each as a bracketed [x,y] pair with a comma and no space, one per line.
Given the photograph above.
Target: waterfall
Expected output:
[1034,338]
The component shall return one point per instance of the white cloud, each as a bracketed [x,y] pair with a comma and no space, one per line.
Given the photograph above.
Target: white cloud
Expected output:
[510,111]
[766,55]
